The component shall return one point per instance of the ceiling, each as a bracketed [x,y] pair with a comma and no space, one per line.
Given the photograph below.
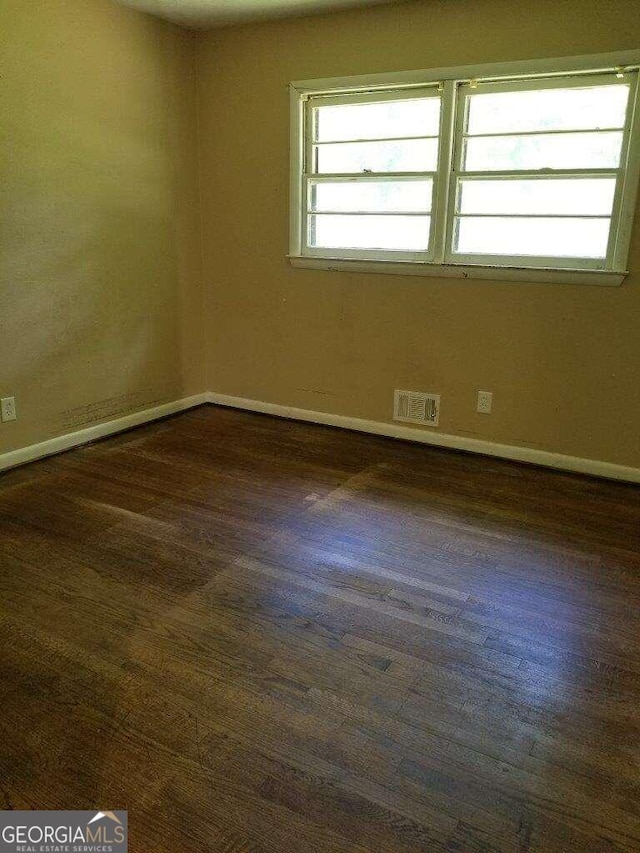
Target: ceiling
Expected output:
[216,13]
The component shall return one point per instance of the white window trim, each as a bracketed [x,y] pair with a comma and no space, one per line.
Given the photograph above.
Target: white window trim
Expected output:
[463,267]
[365,254]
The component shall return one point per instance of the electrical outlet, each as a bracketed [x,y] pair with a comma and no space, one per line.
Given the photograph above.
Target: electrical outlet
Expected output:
[485,399]
[8,405]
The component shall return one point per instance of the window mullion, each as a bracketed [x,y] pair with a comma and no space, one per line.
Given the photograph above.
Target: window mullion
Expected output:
[458,126]
[439,215]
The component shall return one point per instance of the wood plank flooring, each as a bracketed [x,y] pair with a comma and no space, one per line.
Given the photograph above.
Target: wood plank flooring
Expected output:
[262,636]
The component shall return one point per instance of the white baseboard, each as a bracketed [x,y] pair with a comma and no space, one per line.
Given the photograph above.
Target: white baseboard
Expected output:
[560,461]
[473,445]
[84,436]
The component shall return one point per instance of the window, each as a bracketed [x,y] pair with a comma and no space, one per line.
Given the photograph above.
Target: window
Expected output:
[450,173]
[373,165]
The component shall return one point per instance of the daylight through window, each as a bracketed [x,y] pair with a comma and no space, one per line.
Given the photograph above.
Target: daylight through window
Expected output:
[518,172]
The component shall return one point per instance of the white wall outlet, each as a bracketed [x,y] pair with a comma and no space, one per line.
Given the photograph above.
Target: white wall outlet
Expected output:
[484,401]
[8,405]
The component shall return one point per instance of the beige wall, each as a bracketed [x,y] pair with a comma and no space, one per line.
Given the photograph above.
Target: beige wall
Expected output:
[101,296]
[100,290]
[562,361]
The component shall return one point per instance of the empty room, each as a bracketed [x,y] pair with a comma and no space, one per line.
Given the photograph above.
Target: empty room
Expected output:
[320,426]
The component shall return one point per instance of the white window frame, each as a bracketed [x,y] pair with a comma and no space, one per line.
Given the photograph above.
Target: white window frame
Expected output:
[441,261]
[431,91]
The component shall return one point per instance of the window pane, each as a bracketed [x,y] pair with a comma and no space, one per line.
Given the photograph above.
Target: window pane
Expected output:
[402,233]
[374,196]
[564,151]
[420,117]
[415,155]
[548,109]
[561,238]
[589,196]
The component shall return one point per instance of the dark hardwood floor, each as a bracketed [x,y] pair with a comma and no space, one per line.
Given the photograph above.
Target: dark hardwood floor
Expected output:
[267,636]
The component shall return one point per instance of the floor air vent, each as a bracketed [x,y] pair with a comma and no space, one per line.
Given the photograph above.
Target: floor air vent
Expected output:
[416,408]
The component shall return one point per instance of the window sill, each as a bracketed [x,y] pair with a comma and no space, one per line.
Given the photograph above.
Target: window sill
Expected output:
[544,276]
